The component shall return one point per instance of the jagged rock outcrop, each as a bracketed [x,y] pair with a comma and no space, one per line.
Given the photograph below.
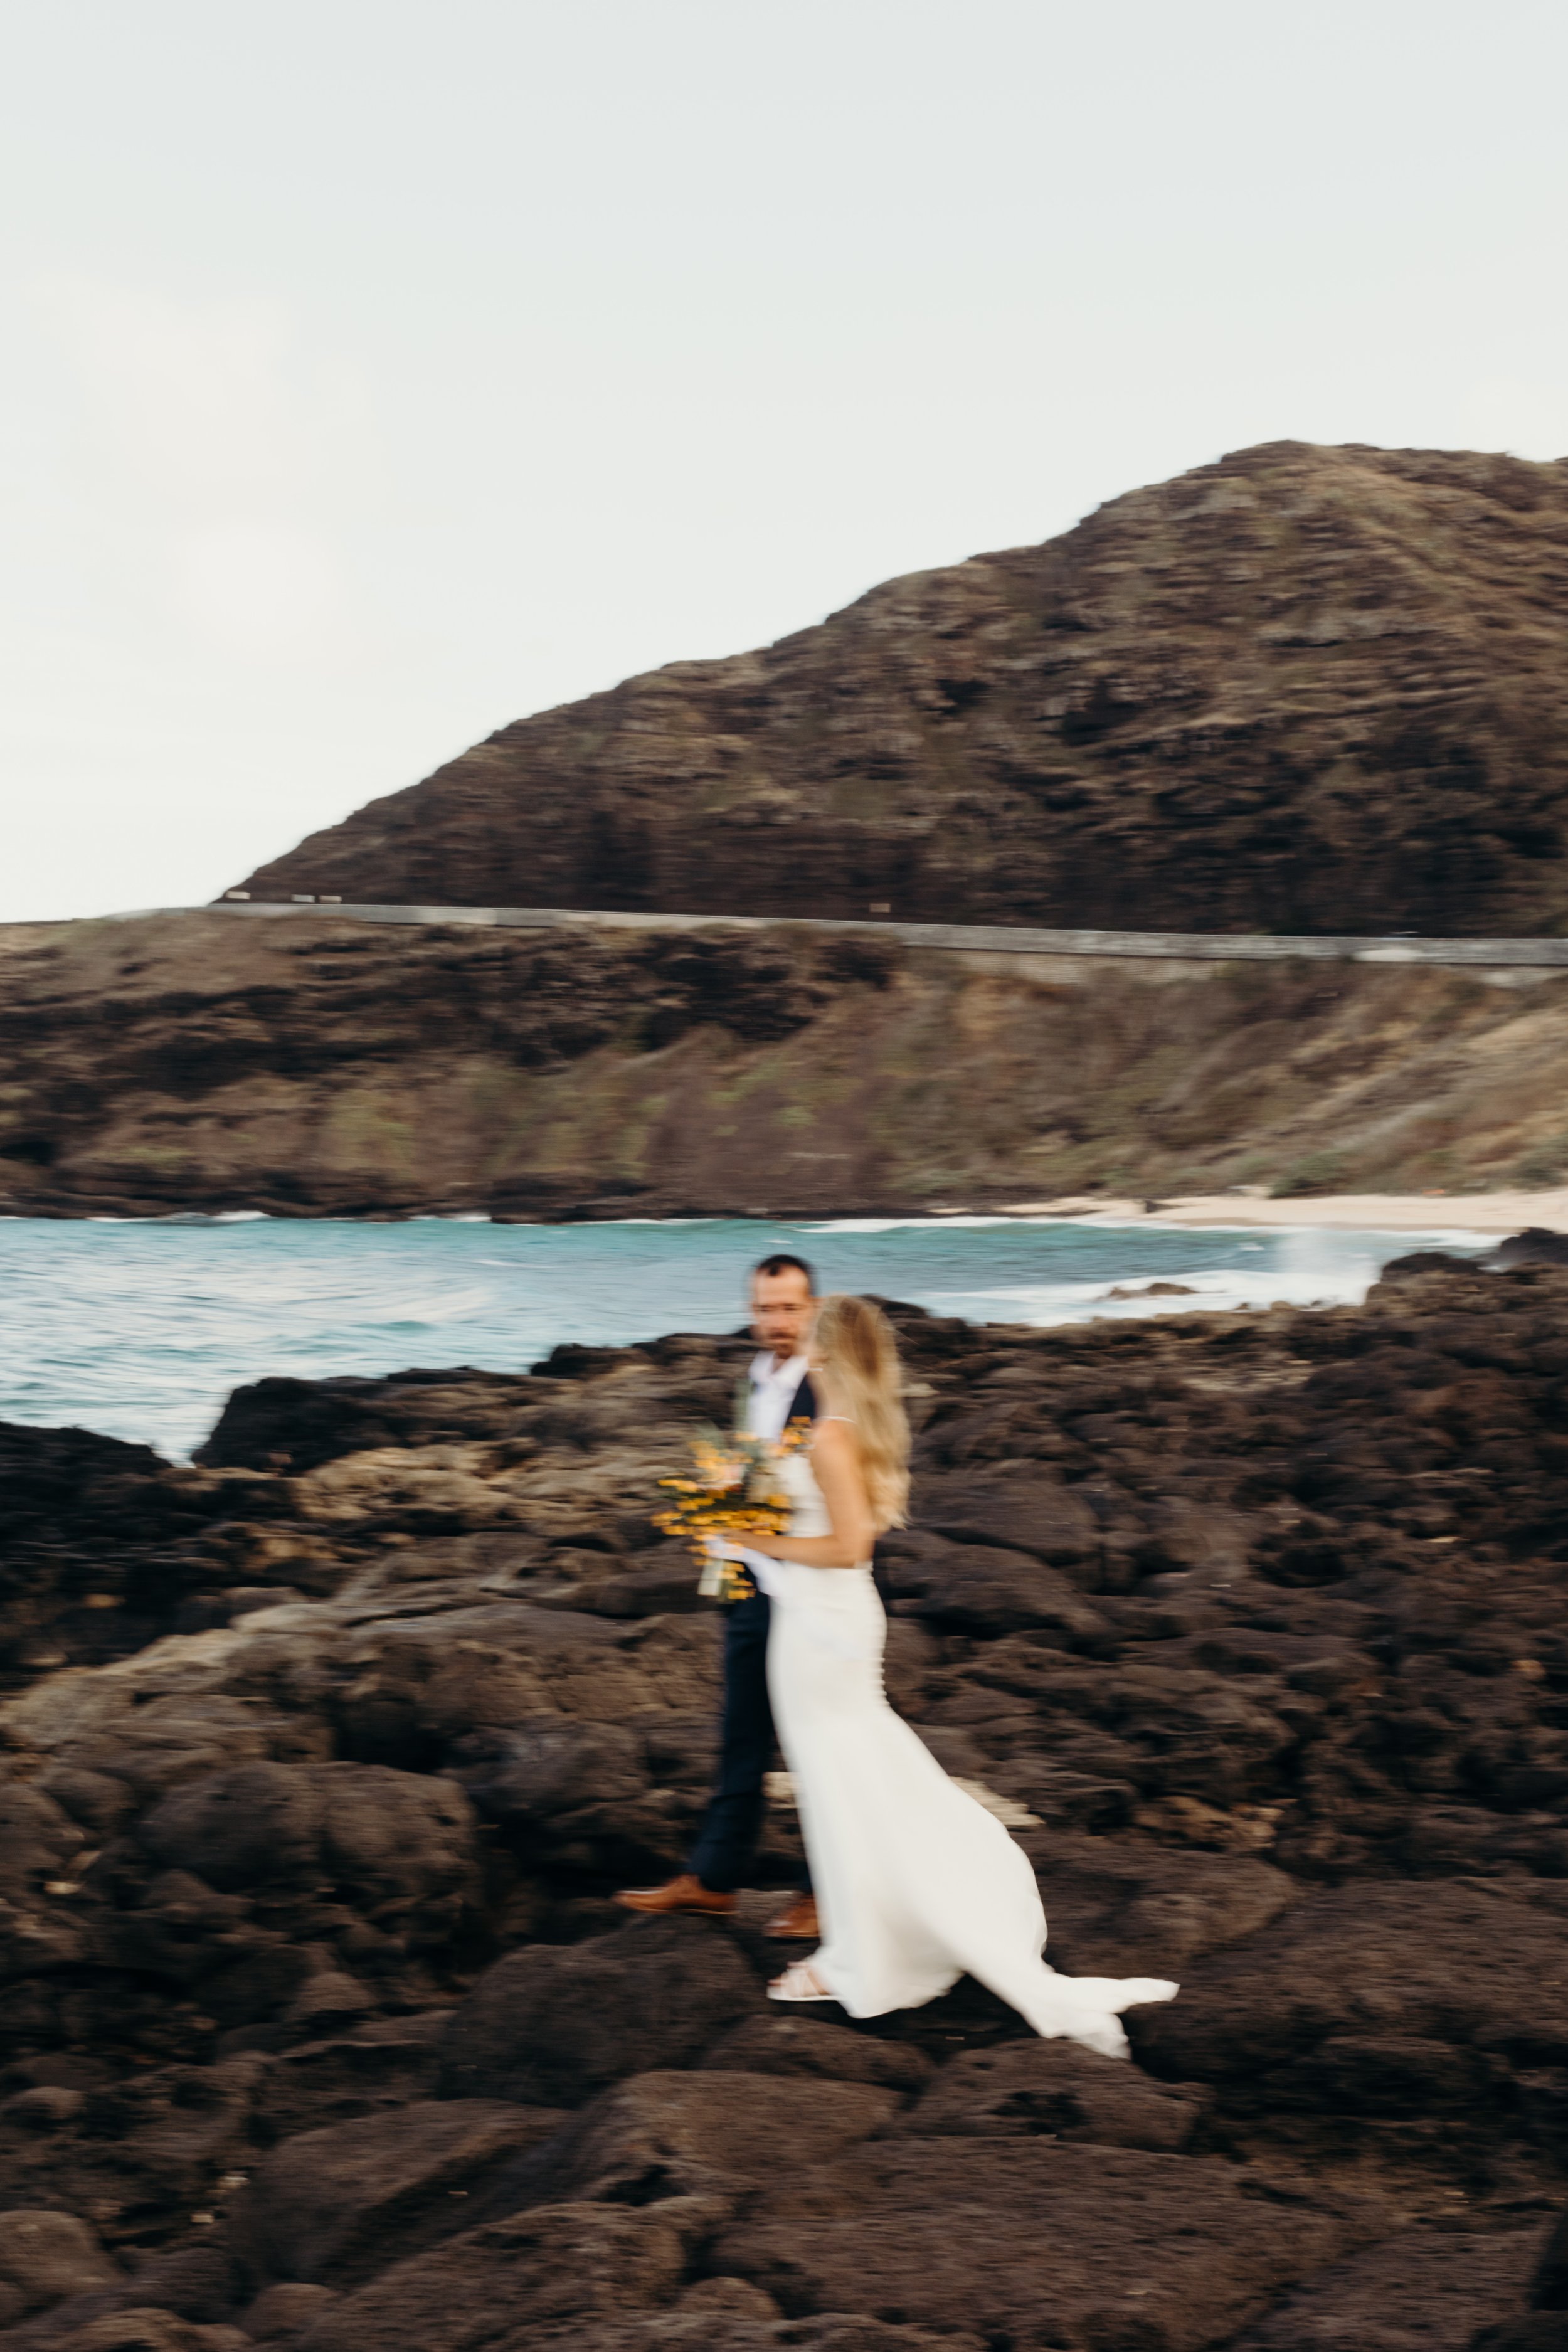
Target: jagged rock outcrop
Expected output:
[317,1066]
[318,2028]
[104,1547]
[1301,689]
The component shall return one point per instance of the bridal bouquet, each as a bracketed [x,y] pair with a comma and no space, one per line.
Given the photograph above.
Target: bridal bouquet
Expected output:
[735,1494]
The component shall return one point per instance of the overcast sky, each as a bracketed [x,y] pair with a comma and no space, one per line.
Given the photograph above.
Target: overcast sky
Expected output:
[373,372]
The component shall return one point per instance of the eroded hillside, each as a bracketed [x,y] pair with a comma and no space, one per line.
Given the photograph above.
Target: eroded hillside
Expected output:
[320,1067]
[1301,689]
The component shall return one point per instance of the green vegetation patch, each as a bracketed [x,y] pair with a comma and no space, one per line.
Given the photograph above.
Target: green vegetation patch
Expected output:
[1319,1171]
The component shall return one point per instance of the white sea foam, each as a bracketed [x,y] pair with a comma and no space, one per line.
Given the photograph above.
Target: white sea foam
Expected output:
[1302,1276]
[959,1222]
[142,1326]
[869,1225]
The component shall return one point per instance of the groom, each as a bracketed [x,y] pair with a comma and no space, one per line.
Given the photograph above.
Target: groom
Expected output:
[777,1391]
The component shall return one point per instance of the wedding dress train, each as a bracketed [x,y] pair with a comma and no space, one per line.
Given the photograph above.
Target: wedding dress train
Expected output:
[916,1883]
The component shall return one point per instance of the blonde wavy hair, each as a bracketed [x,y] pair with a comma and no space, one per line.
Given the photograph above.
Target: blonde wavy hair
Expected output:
[853,1341]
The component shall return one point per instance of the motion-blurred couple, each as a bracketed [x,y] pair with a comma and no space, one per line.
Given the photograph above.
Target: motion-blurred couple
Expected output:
[913,1883]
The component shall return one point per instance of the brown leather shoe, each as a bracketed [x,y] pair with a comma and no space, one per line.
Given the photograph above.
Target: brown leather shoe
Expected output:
[797,1920]
[683,1894]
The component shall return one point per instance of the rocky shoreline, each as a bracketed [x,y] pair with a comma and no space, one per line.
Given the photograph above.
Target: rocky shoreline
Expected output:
[322,1756]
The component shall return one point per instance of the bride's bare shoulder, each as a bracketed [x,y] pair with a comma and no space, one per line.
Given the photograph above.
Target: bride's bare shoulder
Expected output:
[832,1435]
[834,1442]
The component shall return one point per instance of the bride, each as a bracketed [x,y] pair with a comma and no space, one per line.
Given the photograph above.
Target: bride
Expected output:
[917,1883]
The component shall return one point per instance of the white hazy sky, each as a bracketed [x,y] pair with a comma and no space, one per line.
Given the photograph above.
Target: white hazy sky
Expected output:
[373,372]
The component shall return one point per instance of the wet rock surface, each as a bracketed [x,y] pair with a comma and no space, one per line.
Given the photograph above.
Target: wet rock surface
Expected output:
[318,2027]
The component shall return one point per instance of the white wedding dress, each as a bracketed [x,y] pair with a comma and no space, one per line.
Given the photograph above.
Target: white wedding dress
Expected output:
[916,1883]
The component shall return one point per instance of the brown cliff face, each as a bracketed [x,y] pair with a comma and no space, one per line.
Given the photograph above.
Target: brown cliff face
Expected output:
[1304,690]
[320,1067]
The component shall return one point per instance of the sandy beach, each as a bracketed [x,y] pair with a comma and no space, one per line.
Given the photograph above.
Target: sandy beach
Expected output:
[1479,1212]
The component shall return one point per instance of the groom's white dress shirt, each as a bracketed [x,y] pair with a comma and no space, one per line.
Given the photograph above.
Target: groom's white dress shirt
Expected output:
[772,1393]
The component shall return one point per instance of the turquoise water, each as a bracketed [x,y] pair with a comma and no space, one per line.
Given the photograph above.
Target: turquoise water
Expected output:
[140,1328]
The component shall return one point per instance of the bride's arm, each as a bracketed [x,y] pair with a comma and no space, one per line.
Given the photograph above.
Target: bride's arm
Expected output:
[835,1459]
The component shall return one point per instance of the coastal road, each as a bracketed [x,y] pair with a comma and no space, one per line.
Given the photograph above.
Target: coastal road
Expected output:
[1505,961]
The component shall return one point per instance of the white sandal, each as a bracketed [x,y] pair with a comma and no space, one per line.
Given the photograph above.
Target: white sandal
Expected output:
[798,1983]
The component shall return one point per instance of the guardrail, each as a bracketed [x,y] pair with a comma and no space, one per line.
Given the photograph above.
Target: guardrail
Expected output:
[967,939]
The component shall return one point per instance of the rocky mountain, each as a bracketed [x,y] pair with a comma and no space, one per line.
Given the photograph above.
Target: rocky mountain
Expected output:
[1303,690]
[319,1760]
[314,1066]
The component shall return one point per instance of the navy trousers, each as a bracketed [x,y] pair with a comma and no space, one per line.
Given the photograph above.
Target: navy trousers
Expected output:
[732,1823]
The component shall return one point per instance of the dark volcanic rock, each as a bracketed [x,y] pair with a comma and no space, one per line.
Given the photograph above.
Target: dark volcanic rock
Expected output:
[299,1424]
[502,2283]
[316,2016]
[1040,1517]
[1110,1901]
[1538,2331]
[975,1588]
[1537,1246]
[1052,2090]
[366,2068]
[396,1843]
[1414,1262]
[1207,706]
[728,2315]
[46,2256]
[327,2205]
[101,1546]
[1137,2249]
[557,2026]
[783,2043]
[1428,2291]
[551,1783]
[1548,2281]
[712,2134]
[1410,2001]
[1540,2321]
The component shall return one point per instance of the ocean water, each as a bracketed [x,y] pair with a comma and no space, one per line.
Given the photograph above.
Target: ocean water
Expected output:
[140,1327]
